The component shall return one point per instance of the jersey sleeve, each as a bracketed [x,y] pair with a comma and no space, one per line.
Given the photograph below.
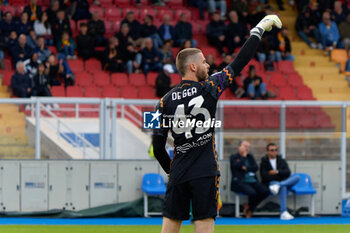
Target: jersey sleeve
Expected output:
[218,82]
[160,131]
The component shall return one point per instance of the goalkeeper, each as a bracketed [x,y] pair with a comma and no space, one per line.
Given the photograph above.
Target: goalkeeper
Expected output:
[194,171]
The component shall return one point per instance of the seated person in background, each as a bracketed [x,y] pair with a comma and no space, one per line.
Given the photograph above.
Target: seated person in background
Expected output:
[2,53]
[151,58]
[42,51]
[11,42]
[167,54]
[81,10]
[20,82]
[212,66]
[113,57]
[134,25]
[236,32]
[96,29]
[21,51]
[284,46]
[42,27]
[227,60]
[24,25]
[33,10]
[329,32]
[216,32]
[183,31]
[31,67]
[53,70]
[213,4]
[254,86]
[132,59]
[60,24]
[344,30]
[41,82]
[163,81]
[85,43]
[338,15]
[31,39]
[244,180]
[166,30]
[8,24]
[66,46]
[149,30]
[186,44]
[275,174]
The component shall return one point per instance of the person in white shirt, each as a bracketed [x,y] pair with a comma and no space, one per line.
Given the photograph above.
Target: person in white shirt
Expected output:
[275,174]
[42,28]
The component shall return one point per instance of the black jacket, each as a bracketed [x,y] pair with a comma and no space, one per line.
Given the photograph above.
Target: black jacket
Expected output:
[96,28]
[265,167]
[237,162]
[183,30]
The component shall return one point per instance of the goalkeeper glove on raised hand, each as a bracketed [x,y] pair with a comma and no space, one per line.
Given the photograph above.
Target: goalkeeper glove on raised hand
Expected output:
[266,24]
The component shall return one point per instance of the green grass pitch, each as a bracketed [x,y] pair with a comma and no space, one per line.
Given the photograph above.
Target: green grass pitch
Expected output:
[184,229]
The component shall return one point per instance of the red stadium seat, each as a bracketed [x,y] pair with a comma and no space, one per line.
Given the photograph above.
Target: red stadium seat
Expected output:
[135,10]
[52,49]
[286,93]
[106,3]
[137,80]
[113,14]
[100,11]
[83,79]
[116,25]
[291,121]
[6,77]
[101,78]
[271,120]
[128,92]
[19,10]
[147,11]
[209,50]
[74,91]
[234,121]
[151,78]
[286,67]
[175,79]
[120,79]
[175,3]
[277,79]
[122,3]
[304,93]
[253,121]
[8,65]
[110,92]
[323,121]
[196,29]
[92,91]
[146,93]
[165,11]
[58,91]
[307,120]
[93,65]
[179,12]
[8,8]
[110,31]
[294,80]
[76,65]
[18,2]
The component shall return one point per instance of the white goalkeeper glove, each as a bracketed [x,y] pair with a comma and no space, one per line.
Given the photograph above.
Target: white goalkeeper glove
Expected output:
[266,24]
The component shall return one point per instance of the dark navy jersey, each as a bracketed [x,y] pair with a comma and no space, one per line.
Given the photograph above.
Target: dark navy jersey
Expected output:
[188,111]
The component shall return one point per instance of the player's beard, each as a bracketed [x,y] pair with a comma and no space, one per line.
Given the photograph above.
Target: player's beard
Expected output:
[202,75]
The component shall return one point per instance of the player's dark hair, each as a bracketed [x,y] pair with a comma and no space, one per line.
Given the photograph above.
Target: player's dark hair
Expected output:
[270,144]
[182,59]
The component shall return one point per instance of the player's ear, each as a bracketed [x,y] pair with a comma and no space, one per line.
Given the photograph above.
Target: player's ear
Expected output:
[192,67]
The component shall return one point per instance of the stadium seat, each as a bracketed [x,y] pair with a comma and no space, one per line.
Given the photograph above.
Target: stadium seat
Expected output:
[323,121]
[294,80]
[253,121]
[147,11]
[146,92]
[137,80]
[135,10]
[110,92]
[92,91]
[122,3]
[291,121]
[19,10]
[120,79]
[58,91]
[77,65]
[9,8]
[18,2]
[93,65]
[165,11]
[115,25]
[106,3]
[286,67]
[175,3]
[6,77]
[196,28]
[210,50]
[128,92]
[234,121]
[286,93]
[113,14]
[175,79]
[304,93]
[83,79]
[52,49]
[151,78]
[304,187]
[101,78]
[100,11]
[74,91]
[306,120]
[142,2]
[152,184]
[109,30]
[339,55]
[8,65]
[277,79]
[179,12]
[271,120]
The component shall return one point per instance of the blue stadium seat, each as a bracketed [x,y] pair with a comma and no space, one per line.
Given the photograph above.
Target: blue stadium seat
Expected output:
[152,184]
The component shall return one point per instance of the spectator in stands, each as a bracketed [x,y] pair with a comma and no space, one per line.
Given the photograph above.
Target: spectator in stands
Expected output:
[96,29]
[113,57]
[254,86]
[151,58]
[185,45]
[284,46]
[237,32]
[148,30]
[132,59]
[166,31]
[124,36]
[213,4]
[344,31]
[41,82]
[81,10]
[241,7]
[20,82]
[42,51]
[275,174]
[84,42]
[266,51]
[66,46]
[31,67]
[256,12]
[31,39]
[7,24]
[338,15]
[62,69]
[21,51]
[212,66]
[33,10]
[307,26]
[244,180]
[227,60]
[60,25]
[134,26]
[24,25]
[201,5]
[216,32]
[329,32]
[2,48]
[163,81]
[183,31]
[52,11]
[12,41]
[167,54]
[42,27]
